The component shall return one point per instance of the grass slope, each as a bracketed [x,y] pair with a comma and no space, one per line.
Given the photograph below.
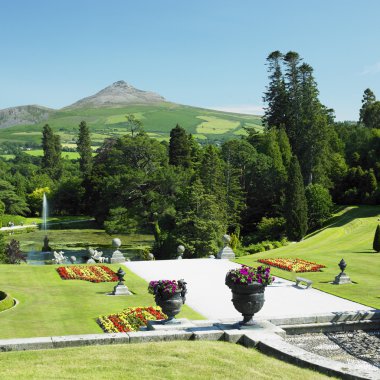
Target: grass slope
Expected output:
[52,306]
[168,360]
[158,120]
[350,236]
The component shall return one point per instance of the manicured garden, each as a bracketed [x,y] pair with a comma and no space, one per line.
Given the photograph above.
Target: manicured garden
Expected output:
[167,360]
[350,236]
[50,306]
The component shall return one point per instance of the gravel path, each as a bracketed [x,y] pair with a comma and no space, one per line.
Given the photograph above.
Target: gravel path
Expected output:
[208,295]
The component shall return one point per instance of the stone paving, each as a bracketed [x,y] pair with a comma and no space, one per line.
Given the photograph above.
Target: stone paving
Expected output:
[358,348]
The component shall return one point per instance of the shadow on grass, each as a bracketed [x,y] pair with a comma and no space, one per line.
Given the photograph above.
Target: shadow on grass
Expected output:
[348,216]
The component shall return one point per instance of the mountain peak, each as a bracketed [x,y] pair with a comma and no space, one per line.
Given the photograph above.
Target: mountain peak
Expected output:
[119,93]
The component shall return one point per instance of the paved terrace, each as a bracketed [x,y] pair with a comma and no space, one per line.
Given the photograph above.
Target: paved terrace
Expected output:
[208,295]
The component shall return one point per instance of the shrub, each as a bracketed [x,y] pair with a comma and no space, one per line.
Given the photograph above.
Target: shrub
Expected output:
[264,246]
[235,242]
[376,240]
[13,254]
[271,228]
[255,248]
[144,253]
[319,205]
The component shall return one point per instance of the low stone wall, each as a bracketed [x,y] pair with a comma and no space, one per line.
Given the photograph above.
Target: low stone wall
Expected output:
[6,301]
[266,336]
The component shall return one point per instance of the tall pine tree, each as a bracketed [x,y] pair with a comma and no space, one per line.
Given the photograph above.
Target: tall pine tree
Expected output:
[51,160]
[84,149]
[295,208]
[275,96]
[179,147]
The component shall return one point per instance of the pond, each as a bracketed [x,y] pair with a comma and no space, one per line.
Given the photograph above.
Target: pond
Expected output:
[76,242]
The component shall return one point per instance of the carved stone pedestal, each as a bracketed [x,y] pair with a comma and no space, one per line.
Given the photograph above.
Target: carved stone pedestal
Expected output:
[121,290]
[117,257]
[342,278]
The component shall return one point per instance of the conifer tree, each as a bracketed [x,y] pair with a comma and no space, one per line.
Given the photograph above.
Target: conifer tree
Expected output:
[179,147]
[275,96]
[284,145]
[295,203]
[84,149]
[211,173]
[368,99]
[376,240]
[51,160]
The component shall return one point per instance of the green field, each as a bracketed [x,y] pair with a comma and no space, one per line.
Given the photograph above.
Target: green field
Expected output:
[350,236]
[50,306]
[158,120]
[167,360]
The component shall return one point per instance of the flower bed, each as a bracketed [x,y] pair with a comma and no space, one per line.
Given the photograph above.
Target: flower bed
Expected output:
[130,319]
[293,265]
[92,273]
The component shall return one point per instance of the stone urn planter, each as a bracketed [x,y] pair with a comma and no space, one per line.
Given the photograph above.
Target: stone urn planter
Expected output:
[170,295]
[248,286]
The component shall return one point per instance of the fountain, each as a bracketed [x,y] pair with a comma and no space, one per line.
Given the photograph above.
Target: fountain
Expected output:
[46,247]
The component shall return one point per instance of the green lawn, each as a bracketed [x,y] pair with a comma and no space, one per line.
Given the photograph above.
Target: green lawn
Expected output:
[168,360]
[349,237]
[52,306]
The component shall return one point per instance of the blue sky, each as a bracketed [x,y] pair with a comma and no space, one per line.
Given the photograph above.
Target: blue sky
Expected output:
[201,52]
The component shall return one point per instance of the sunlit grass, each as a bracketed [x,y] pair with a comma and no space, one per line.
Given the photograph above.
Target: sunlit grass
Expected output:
[349,237]
[51,306]
[168,360]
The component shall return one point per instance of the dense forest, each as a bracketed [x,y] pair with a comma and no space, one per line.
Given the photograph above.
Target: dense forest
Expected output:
[272,186]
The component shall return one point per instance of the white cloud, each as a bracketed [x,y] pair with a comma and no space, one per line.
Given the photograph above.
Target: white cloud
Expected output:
[249,109]
[372,69]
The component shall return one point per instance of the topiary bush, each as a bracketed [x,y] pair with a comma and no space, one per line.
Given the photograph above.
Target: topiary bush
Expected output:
[376,240]
[6,301]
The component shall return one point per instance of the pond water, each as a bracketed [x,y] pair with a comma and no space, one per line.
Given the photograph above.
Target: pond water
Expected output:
[81,256]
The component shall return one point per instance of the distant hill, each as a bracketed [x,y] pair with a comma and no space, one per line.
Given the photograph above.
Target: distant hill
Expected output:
[105,114]
[118,94]
[23,115]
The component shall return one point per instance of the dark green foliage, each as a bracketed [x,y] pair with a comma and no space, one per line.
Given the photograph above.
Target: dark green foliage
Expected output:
[295,208]
[2,210]
[376,240]
[200,222]
[84,149]
[120,222]
[319,205]
[179,147]
[14,204]
[135,125]
[211,172]
[13,254]
[271,229]
[2,248]
[368,99]
[371,115]
[275,96]
[68,197]
[51,160]
[293,104]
